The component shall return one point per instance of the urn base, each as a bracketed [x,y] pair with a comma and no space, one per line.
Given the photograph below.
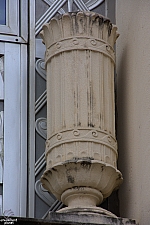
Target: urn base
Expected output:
[81,182]
[87,211]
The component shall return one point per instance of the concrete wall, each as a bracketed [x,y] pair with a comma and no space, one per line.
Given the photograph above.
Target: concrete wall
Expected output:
[133,103]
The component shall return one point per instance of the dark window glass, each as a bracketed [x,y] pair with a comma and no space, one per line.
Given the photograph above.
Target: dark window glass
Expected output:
[2,12]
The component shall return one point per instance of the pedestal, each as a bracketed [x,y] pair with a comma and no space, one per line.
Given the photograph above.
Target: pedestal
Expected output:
[62,219]
[89,219]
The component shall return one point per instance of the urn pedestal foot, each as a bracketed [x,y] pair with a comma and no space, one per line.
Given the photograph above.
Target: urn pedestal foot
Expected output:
[81,197]
[83,200]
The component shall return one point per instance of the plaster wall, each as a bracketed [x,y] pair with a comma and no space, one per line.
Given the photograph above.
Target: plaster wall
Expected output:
[133,106]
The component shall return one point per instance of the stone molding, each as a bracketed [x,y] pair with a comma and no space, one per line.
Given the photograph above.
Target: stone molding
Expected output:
[69,144]
[85,135]
[80,43]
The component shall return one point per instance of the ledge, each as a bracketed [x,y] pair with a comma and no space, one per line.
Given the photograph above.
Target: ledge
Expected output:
[68,219]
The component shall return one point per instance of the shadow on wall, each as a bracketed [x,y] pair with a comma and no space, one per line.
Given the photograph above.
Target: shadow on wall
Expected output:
[122,126]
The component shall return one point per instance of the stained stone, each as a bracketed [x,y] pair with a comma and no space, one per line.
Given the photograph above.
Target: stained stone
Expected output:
[81,147]
[69,219]
[79,218]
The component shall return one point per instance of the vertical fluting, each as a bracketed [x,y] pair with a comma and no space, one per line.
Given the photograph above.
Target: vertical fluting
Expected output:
[80,94]
[80,81]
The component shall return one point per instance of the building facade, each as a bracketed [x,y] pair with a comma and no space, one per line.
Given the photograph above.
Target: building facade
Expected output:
[23,104]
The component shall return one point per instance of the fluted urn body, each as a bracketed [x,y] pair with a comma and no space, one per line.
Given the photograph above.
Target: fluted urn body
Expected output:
[81,148]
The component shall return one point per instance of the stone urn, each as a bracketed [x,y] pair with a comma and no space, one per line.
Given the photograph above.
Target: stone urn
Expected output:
[81,148]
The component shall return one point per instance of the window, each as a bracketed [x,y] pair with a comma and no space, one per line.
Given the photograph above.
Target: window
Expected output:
[2,12]
[13,23]
[8,17]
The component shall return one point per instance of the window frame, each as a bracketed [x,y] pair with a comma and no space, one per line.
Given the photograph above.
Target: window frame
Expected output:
[15,129]
[15,30]
[14,48]
[11,26]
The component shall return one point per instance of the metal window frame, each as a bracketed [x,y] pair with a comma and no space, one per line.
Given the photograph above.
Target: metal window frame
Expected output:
[11,26]
[15,112]
[15,30]
[31,113]
[15,129]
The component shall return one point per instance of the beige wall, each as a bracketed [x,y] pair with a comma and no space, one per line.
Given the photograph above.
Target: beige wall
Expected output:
[133,103]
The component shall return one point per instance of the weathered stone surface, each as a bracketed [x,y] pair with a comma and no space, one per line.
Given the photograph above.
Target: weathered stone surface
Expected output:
[80,218]
[81,147]
[62,219]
